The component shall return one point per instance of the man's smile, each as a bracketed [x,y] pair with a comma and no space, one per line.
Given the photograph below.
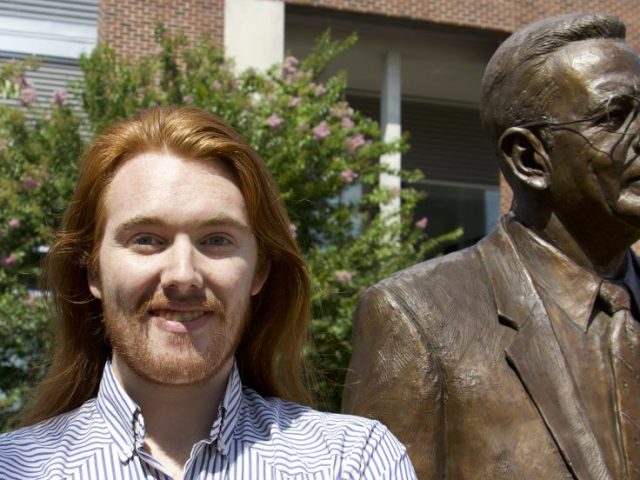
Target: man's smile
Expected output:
[179,316]
[175,321]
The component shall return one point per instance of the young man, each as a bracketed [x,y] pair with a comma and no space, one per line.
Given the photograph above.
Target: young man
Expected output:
[181,305]
[519,358]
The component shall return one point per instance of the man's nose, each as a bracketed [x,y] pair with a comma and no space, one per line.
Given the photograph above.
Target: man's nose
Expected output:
[180,271]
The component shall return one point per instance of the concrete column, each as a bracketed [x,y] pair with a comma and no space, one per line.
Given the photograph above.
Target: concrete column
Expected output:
[254,33]
[390,103]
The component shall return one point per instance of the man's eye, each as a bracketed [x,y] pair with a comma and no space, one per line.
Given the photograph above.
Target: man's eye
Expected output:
[216,241]
[146,241]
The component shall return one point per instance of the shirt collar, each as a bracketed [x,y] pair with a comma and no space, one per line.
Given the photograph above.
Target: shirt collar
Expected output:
[126,424]
[556,277]
[632,279]
[227,417]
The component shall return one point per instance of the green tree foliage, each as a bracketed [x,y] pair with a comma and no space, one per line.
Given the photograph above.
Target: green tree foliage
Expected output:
[320,150]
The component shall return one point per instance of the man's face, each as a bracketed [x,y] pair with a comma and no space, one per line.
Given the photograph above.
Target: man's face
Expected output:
[595,170]
[177,267]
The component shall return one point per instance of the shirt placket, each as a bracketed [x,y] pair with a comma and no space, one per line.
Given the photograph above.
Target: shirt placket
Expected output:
[213,467]
[216,454]
[153,468]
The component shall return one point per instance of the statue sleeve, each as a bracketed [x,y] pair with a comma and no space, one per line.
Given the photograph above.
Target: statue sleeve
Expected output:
[394,377]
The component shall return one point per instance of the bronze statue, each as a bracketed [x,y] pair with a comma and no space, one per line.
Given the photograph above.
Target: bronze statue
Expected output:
[519,358]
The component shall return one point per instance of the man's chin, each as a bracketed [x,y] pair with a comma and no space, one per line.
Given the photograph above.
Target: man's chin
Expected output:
[173,371]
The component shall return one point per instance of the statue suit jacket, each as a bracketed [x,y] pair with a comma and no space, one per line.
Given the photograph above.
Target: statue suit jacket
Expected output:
[457,356]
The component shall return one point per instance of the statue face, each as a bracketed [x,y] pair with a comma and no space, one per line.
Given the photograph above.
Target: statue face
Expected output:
[593,117]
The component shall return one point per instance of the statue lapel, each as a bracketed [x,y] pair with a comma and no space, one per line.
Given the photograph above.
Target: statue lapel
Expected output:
[536,357]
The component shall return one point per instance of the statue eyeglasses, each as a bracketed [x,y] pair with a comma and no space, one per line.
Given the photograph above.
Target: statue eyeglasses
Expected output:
[617,115]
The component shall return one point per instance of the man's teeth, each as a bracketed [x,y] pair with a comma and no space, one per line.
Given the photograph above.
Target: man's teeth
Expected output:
[175,316]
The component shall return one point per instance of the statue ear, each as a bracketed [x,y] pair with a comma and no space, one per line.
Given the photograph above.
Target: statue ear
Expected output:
[525,157]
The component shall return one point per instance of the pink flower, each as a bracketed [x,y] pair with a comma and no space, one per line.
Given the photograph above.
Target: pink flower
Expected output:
[30,183]
[10,260]
[346,122]
[320,89]
[28,96]
[348,175]
[187,99]
[274,121]
[294,102]
[14,223]
[321,131]
[59,97]
[290,64]
[23,82]
[355,143]
[289,69]
[422,223]
[216,85]
[294,230]
[343,276]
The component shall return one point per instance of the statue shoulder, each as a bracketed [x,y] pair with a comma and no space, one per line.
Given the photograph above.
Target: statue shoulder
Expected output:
[424,297]
[434,274]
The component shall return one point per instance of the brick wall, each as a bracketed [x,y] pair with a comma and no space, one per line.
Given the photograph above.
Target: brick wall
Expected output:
[128,25]
[501,15]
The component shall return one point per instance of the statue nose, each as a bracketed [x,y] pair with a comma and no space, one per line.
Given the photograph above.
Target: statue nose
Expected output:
[636,144]
[633,127]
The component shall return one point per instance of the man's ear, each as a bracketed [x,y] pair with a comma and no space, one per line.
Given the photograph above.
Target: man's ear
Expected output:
[95,285]
[525,157]
[262,272]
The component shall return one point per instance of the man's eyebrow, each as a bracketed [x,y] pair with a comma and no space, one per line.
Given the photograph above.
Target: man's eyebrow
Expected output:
[149,221]
[224,220]
[137,222]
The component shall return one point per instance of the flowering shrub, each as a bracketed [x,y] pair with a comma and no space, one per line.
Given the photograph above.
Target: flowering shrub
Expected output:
[319,149]
[37,167]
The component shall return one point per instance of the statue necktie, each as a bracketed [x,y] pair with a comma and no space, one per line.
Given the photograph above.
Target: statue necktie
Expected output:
[625,357]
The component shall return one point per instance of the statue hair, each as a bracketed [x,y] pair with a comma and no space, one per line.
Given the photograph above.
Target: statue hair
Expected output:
[269,355]
[517,84]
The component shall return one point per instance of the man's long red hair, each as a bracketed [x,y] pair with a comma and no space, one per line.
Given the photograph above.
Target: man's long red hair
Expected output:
[269,356]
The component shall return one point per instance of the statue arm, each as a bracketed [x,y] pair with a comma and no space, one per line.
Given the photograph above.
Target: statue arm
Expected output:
[394,377]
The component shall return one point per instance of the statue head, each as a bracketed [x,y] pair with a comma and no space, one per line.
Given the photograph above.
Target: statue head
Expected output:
[560,102]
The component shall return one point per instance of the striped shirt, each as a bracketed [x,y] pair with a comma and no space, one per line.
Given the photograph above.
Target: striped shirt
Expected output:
[251,438]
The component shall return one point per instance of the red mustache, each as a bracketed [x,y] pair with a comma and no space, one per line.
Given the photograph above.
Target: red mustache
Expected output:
[162,302]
